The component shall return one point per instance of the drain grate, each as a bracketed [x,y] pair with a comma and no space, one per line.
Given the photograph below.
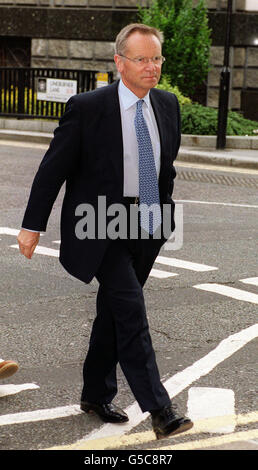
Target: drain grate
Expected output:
[227,180]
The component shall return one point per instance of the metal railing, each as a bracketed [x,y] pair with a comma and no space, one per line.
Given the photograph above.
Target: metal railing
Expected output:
[19,90]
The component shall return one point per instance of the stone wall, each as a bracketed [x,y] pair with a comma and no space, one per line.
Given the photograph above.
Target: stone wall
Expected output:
[244,73]
[73,54]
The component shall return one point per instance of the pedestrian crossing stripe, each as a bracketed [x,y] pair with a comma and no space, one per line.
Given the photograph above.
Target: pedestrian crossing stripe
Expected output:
[251,280]
[232,292]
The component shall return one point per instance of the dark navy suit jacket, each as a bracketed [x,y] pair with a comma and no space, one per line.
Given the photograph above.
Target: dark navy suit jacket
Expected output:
[86,154]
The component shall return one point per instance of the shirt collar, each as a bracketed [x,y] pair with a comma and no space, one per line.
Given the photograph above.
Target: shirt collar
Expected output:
[128,98]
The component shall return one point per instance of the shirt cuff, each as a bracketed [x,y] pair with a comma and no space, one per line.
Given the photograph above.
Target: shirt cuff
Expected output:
[29,230]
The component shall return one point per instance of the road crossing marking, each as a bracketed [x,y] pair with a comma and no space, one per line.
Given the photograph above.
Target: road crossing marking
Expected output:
[40,415]
[9,231]
[179,263]
[214,203]
[42,250]
[232,292]
[139,438]
[11,389]
[207,402]
[161,274]
[250,280]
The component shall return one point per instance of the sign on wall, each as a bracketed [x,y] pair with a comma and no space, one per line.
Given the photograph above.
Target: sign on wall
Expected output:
[55,89]
[102,79]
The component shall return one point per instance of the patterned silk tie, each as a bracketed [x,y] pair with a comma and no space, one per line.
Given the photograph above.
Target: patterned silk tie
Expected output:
[148,182]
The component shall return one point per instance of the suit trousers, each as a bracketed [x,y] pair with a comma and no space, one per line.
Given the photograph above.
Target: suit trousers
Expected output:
[120,332]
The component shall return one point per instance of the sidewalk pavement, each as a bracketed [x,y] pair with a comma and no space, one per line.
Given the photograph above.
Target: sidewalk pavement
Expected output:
[240,152]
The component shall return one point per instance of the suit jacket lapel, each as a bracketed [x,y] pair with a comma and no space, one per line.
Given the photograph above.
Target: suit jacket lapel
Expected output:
[114,138]
[163,123]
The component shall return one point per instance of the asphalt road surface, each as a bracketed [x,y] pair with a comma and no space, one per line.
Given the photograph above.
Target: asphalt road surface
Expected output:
[202,303]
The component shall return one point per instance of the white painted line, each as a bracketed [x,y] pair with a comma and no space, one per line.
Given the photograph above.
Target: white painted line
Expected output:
[179,263]
[57,241]
[9,231]
[229,204]
[180,381]
[206,402]
[250,280]
[39,415]
[12,231]
[42,250]
[232,292]
[161,274]
[11,389]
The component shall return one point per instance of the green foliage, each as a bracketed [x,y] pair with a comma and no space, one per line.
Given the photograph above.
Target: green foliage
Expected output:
[201,120]
[165,84]
[186,40]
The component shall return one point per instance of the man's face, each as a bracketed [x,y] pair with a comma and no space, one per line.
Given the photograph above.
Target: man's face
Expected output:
[139,78]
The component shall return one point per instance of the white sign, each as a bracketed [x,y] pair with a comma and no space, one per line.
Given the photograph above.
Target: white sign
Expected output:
[251,5]
[55,89]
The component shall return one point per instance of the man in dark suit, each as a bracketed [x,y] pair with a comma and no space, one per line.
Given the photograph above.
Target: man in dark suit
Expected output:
[115,146]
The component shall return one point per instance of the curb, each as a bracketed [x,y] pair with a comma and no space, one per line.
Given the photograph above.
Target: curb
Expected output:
[218,157]
[241,152]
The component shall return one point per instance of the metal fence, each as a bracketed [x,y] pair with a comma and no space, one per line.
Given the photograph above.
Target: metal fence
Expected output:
[20,90]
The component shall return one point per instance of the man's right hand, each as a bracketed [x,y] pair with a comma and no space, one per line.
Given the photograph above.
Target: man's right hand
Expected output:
[28,242]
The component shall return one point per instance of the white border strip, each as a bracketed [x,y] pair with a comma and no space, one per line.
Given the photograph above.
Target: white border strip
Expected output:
[251,280]
[179,263]
[230,204]
[42,250]
[232,292]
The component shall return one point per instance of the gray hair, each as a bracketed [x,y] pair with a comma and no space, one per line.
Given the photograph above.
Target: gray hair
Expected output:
[124,34]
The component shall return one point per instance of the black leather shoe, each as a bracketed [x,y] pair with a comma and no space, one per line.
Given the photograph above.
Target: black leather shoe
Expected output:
[107,412]
[166,422]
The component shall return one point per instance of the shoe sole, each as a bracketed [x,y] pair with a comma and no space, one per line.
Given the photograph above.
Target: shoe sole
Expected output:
[182,428]
[8,370]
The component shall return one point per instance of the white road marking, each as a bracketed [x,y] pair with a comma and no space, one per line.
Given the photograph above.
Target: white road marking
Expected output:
[9,231]
[39,415]
[161,274]
[206,402]
[179,263]
[232,292]
[229,204]
[250,280]
[11,389]
[42,250]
